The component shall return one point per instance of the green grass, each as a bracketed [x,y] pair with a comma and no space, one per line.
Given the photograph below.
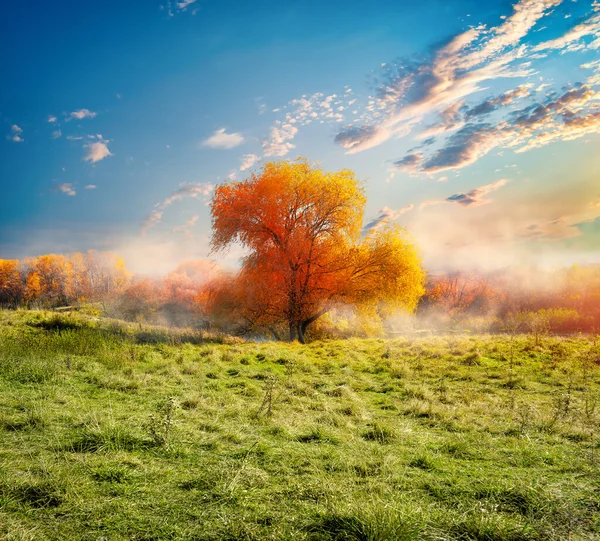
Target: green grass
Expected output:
[109,431]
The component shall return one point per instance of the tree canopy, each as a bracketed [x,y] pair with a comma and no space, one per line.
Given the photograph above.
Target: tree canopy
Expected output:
[302,227]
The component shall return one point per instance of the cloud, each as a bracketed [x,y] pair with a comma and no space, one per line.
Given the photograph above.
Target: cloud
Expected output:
[223,140]
[185,229]
[16,134]
[173,7]
[67,189]
[569,116]
[303,111]
[489,106]
[153,218]
[451,119]
[386,214]
[455,71]
[97,151]
[200,191]
[80,114]
[280,137]
[90,187]
[52,119]
[464,148]
[248,160]
[411,163]
[558,228]
[360,137]
[571,40]
[476,196]
[57,134]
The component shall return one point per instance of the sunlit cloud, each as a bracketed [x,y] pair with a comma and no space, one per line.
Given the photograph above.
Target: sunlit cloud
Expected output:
[572,39]
[280,137]
[386,215]
[455,71]
[67,189]
[52,119]
[249,160]
[477,196]
[80,114]
[223,140]
[97,151]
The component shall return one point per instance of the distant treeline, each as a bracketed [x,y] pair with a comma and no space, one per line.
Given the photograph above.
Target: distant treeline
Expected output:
[533,300]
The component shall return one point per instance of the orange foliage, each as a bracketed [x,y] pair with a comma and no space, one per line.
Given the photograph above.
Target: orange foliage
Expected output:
[303,226]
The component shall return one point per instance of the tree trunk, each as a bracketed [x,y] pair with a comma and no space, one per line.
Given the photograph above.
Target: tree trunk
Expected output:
[301,329]
[302,326]
[275,334]
[293,331]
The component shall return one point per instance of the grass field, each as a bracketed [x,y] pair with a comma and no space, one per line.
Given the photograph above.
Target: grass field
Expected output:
[110,431]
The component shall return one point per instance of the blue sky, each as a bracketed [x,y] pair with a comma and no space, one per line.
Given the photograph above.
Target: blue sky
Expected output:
[476,125]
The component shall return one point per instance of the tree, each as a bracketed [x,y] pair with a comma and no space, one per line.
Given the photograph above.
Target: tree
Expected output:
[302,227]
[11,283]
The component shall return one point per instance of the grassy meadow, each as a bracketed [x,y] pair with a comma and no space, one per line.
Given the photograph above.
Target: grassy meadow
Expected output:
[113,431]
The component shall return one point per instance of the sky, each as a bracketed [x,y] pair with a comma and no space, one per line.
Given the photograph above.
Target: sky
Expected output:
[474,125]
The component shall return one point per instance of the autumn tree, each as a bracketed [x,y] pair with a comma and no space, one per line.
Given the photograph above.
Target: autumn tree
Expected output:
[12,286]
[302,227]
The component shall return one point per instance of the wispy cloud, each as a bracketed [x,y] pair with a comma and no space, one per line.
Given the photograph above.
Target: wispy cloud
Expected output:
[52,119]
[455,72]
[249,160]
[186,228]
[16,134]
[386,215]
[67,189]
[56,134]
[201,191]
[443,88]
[173,7]
[572,40]
[90,187]
[477,195]
[223,140]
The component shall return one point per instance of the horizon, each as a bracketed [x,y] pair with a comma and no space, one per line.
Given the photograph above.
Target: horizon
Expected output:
[473,126]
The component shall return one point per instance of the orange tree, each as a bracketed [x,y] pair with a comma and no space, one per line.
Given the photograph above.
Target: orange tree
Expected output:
[302,228]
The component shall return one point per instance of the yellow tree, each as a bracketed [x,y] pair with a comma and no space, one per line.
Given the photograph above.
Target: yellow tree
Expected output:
[302,227]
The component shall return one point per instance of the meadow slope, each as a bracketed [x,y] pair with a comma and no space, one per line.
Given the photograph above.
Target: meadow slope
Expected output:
[111,431]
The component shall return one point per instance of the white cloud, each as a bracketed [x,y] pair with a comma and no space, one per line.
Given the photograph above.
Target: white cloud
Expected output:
[90,187]
[82,113]
[248,160]
[280,137]
[52,119]
[67,189]
[223,140]
[16,134]
[97,150]
[57,134]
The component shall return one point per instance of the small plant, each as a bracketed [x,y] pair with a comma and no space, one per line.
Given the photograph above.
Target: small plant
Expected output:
[160,424]
[266,407]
